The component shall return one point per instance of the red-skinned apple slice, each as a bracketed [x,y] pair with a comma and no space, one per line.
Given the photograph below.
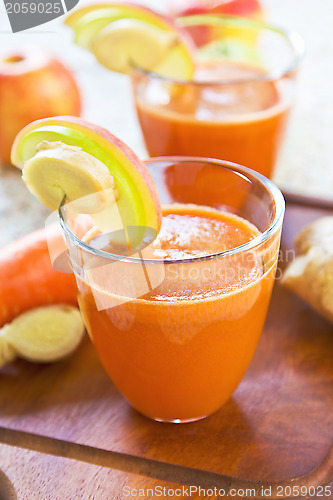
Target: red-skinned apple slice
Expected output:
[243,8]
[204,34]
[137,198]
[75,17]
[89,20]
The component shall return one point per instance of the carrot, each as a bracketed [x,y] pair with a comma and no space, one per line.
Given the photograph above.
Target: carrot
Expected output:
[27,278]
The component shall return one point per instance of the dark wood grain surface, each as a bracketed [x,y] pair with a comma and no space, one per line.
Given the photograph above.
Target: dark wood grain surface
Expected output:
[278,424]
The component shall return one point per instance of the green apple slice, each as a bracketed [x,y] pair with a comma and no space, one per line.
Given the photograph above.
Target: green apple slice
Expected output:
[89,24]
[92,23]
[232,49]
[127,10]
[137,198]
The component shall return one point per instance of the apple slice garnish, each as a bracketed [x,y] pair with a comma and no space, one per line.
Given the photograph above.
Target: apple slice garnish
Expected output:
[127,9]
[78,159]
[123,36]
[88,25]
[91,24]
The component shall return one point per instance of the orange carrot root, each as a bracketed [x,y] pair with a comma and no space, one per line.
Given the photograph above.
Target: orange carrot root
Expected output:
[27,278]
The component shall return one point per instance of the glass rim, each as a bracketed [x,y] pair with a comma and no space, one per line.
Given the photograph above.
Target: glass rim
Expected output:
[294,39]
[239,170]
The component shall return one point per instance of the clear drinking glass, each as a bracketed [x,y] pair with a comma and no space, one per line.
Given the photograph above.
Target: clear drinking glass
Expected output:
[177,335]
[237,107]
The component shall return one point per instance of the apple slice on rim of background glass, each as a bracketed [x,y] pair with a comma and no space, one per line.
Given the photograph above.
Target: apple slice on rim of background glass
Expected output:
[123,36]
[87,23]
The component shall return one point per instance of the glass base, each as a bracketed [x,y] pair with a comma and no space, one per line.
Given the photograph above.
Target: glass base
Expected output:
[179,420]
[171,421]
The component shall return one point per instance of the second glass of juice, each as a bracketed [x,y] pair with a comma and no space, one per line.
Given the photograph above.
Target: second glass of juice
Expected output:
[177,322]
[236,108]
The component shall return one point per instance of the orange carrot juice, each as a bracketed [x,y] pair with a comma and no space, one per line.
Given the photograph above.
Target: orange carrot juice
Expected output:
[179,351]
[241,121]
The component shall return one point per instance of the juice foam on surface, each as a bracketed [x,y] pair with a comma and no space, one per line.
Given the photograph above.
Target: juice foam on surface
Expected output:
[187,232]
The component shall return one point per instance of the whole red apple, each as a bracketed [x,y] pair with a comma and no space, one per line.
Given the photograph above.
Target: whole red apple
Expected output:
[33,84]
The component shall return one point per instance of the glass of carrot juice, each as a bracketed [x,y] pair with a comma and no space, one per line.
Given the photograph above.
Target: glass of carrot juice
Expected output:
[177,322]
[237,104]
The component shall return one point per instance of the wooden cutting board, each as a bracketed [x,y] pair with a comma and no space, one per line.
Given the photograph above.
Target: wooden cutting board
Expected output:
[278,424]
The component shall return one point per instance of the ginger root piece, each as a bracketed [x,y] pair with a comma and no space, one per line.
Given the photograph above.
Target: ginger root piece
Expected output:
[311,274]
[58,169]
[43,335]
